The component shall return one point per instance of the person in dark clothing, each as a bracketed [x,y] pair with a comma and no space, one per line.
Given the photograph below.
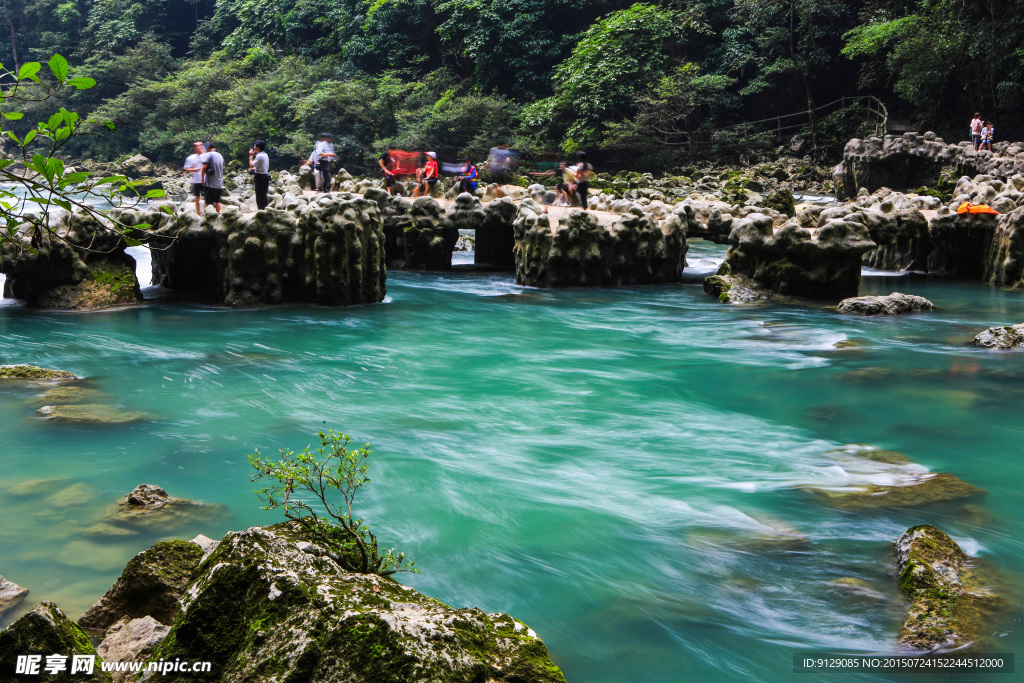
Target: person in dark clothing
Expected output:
[389,164]
[259,164]
[584,171]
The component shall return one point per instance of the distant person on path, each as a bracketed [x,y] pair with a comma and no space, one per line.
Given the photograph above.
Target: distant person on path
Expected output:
[468,178]
[976,126]
[499,162]
[194,167]
[259,164]
[428,176]
[389,164]
[584,171]
[213,175]
[987,133]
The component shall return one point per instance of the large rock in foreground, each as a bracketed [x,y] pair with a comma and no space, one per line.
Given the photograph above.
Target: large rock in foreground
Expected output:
[1006,337]
[267,606]
[151,585]
[581,251]
[947,611]
[892,304]
[46,631]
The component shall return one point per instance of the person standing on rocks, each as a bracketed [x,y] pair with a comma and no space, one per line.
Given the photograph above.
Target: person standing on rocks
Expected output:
[976,126]
[213,175]
[324,152]
[194,167]
[428,176]
[259,164]
[389,164]
[584,171]
[499,162]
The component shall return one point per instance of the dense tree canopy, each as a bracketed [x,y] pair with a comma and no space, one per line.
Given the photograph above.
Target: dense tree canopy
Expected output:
[550,75]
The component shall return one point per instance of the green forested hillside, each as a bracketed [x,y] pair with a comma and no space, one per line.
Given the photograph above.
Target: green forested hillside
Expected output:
[549,75]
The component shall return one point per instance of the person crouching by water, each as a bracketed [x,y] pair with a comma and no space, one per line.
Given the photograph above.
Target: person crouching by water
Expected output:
[468,177]
[259,164]
[428,176]
[213,175]
[194,167]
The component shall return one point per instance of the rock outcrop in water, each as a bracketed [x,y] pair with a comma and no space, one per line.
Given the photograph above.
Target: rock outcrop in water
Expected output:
[33,373]
[268,605]
[581,251]
[794,261]
[947,610]
[1007,337]
[329,252]
[46,631]
[892,304]
[78,265]
[10,595]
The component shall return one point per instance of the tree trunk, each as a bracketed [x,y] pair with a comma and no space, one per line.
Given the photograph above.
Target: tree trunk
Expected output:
[14,39]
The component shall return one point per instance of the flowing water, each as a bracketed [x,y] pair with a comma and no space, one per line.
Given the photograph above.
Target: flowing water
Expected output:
[622,469]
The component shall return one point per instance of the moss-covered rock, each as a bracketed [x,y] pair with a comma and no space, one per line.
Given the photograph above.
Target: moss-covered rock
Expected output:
[151,584]
[34,373]
[781,201]
[735,289]
[106,283]
[948,608]
[268,606]
[46,631]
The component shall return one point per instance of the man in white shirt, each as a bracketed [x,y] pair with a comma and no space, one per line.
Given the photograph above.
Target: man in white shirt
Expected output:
[213,175]
[324,152]
[976,125]
[259,163]
[194,167]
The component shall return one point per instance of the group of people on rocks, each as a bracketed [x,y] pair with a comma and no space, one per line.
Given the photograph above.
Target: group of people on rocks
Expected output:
[205,167]
[982,133]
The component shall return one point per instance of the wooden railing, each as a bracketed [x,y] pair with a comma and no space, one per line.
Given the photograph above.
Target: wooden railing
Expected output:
[787,123]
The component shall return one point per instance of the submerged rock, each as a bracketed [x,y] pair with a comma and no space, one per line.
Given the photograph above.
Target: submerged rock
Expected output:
[878,478]
[69,394]
[268,606]
[32,372]
[858,588]
[151,584]
[131,641]
[46,631]
[1007,337]
[149,507]
[10,595]
[947,608]
[892,304]
[91,413]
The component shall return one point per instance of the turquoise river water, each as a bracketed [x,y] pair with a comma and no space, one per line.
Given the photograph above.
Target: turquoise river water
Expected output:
[622,469]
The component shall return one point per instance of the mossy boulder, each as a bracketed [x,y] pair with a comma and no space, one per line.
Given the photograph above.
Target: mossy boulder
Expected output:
[948,607]
[107,282]
[151,584]
[781,201]
[735,289]
[45,631]
[34,373]
[269,606]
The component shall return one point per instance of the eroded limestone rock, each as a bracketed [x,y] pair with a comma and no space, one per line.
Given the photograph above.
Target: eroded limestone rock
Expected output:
[267,605]
[735,289]
[131,640]
[1007,337]
[891,304]
[10,595]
